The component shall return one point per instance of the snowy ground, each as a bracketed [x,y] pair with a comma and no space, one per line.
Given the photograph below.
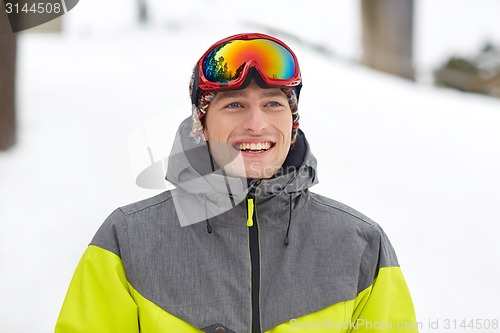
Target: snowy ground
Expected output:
[422,162]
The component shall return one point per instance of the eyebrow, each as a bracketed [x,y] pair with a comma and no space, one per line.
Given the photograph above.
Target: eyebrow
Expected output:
[241,93]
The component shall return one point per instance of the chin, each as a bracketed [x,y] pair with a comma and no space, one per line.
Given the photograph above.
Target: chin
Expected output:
[261,173]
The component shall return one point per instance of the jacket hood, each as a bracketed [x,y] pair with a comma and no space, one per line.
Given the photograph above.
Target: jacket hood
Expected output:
[203,190]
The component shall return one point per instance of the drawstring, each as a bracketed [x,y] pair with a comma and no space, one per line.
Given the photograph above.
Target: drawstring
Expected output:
[289,221]
[209,227]
[228,188]
[207,220]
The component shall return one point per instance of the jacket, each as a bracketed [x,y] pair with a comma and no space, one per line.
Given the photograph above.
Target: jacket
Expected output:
[219,254]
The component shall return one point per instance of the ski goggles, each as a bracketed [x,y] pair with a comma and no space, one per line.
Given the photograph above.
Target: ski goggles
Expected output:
[227,64]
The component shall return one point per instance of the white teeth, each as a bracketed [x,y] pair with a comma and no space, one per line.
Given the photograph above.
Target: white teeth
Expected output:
[254,146]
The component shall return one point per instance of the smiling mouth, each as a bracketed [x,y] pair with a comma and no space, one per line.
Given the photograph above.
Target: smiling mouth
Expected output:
[256,147]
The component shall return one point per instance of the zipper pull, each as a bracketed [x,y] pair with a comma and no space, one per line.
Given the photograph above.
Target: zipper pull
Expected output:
[250,201]
[250,212]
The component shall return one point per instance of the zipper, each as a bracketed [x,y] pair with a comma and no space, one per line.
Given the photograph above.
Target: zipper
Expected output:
[253,236]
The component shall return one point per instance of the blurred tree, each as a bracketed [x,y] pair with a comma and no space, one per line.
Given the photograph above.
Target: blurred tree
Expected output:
[478,74]
[143,11]
[7,81]
[387,30]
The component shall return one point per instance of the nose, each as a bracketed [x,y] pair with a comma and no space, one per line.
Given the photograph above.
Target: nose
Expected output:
[255,119]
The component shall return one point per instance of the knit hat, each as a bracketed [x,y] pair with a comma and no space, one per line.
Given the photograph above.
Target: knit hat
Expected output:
[205,97]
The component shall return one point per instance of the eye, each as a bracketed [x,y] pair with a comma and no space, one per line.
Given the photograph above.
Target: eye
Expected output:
[274,104]
[233,105]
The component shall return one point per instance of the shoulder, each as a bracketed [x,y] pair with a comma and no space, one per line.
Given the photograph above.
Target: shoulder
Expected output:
[147,204]
[114,232]
[342,211]
[350,224]
[140,209]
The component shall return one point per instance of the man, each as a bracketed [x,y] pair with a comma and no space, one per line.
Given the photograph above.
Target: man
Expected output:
[241,244]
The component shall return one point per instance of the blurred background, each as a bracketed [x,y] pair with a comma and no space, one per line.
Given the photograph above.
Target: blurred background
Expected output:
[400,104]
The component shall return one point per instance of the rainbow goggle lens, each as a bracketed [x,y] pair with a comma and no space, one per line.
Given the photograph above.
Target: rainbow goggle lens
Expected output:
[226,65]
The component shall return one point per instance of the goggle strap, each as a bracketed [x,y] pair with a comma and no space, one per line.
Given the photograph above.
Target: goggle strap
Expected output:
[196,87]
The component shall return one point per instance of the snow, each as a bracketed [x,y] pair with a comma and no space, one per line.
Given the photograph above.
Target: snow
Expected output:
[421,161]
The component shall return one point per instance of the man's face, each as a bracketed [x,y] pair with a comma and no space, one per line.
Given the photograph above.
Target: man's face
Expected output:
[255,122]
